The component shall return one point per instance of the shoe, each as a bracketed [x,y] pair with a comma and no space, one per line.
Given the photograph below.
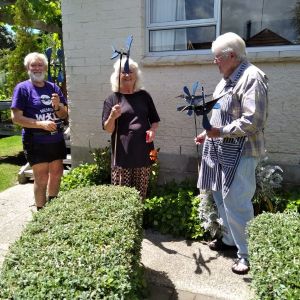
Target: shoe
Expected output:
[241,266]
[218,245]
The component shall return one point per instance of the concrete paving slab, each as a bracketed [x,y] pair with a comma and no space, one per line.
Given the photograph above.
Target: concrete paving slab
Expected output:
[191,266]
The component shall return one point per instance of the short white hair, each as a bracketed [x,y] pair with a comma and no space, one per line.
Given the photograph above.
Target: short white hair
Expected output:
[35,56]
[230,42]
[133,66]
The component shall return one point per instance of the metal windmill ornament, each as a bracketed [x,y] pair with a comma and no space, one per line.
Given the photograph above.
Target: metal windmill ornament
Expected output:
[120,53]
[56,63]
[124,51]
[194,105]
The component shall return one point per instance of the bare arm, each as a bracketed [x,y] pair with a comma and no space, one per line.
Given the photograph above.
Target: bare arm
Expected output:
[18,118]
[109,124]
[151,132]
[60,109]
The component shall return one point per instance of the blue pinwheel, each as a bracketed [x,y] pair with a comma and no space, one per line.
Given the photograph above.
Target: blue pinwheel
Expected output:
[56,64]
[48,53]
[195,107]
[60,60]
[193,104]
[124,51]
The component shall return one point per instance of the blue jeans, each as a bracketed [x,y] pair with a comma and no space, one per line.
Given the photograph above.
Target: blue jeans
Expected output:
[236,209]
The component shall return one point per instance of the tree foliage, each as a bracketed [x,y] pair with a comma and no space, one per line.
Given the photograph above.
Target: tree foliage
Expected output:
[6,39]
[26,16]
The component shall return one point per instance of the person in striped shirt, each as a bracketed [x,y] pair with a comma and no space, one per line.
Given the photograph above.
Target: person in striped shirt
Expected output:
[234,144]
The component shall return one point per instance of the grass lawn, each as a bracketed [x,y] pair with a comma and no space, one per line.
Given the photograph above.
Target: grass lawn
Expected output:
[10,146]
[11,159]
[8,175]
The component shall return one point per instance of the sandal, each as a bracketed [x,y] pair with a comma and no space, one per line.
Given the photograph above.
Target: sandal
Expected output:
[219,245]
[241,266]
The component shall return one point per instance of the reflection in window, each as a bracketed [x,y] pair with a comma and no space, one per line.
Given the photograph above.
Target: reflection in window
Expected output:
[190,38]
[180,25]
[263,22]
[171,29]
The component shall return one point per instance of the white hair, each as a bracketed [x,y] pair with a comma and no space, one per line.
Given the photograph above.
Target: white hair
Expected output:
[230,42]
[34,56]
[133,66]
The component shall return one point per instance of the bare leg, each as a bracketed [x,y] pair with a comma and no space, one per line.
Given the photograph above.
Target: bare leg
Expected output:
[40,173]
[55,173]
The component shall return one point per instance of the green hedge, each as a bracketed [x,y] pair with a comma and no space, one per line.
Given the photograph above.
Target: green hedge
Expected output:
[84,245]
[274,248]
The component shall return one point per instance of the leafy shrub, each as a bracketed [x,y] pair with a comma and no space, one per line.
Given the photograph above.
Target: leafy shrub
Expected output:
[81,176]
[268,180]
[174,210]
[102,158]
[84,245]
[208,215]
[89,174]
[292,198]
[274,248]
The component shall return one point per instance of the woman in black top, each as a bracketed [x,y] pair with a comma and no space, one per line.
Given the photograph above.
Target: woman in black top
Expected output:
[129,114]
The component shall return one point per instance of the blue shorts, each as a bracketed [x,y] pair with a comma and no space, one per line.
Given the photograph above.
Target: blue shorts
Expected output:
[36,153]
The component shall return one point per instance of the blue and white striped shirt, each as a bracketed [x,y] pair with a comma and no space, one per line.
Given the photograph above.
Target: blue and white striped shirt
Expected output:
[248,109]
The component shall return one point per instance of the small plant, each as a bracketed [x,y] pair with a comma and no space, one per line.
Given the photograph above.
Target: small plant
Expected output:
[268,179]
[155,167]
[174,210]
[208,214]
[89,174]
[102,158]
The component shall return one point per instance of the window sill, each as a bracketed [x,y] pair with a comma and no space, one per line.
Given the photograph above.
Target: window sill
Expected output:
[254,55]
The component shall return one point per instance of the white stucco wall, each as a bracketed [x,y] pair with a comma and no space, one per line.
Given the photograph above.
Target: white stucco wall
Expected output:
[90,27]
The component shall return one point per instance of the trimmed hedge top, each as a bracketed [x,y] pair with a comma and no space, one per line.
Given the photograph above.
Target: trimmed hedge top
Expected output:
[84,245]
[274,248]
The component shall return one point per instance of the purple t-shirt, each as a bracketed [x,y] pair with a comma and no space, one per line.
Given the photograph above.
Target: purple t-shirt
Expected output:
[35,102]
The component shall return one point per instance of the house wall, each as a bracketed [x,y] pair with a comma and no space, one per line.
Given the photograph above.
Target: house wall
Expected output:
[90,27]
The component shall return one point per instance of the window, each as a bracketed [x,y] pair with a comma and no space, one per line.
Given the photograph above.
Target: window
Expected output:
[181,25]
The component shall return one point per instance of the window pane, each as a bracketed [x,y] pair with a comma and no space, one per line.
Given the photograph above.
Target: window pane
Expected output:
[180,10]
[263,22]
[199,9]
[190,38]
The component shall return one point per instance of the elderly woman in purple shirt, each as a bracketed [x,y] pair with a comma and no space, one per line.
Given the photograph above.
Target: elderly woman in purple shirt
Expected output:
[40,108]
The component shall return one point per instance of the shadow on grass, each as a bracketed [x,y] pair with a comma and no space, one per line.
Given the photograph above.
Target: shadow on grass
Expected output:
[18,159]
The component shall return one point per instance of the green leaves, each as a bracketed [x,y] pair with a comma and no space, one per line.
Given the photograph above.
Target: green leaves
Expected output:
[174,210]
[84,245]
[274,247]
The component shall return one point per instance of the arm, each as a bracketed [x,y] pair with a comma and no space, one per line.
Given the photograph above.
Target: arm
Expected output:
[110,124]
[150,133]
[18,118]
[60,109]
[199,139]
[252,113]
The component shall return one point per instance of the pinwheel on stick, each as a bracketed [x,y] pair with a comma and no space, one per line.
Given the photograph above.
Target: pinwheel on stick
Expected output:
[56,74]
[120,53]
[196,104]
